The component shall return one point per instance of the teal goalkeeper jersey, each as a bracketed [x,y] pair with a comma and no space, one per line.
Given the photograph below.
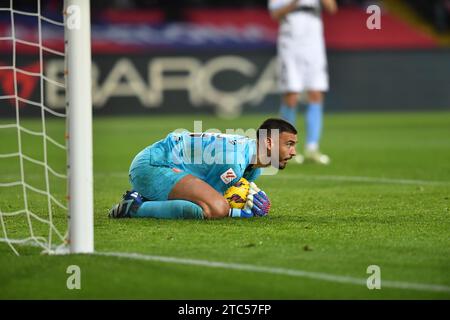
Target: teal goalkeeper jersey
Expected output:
[218,159]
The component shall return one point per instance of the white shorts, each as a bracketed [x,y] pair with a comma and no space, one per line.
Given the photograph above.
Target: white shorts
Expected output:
[302,61]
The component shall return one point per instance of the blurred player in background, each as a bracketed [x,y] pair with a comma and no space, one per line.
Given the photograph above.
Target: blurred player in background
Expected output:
[303,65]
[185,175]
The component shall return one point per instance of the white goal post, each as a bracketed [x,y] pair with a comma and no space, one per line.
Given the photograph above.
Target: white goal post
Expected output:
[79,98]
[43,159]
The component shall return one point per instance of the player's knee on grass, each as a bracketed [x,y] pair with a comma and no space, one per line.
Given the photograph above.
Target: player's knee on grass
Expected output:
[215,208]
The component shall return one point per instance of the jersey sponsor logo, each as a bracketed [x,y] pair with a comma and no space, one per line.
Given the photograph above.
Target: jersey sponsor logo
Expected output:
[228,176]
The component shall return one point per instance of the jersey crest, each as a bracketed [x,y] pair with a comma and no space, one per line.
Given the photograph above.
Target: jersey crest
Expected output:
[228,176]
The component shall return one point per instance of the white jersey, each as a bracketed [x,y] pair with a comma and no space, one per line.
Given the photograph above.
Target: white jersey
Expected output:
[301,48]
[276,4]
[299,24]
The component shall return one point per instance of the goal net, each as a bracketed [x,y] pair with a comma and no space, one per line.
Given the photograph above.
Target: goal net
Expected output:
[45,126]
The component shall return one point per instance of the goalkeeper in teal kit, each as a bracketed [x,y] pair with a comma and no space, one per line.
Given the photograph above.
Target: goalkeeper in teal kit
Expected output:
[185,175]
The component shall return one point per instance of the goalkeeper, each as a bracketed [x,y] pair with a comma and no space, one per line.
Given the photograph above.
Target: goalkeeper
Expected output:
[185,175]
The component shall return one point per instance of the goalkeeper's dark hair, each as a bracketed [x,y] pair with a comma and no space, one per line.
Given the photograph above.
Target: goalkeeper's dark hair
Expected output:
[274,123]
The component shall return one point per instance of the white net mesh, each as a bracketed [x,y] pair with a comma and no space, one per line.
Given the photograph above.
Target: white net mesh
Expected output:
[33,152]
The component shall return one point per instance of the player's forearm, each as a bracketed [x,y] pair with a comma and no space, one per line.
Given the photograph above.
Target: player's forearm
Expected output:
[280,13]
[330,6]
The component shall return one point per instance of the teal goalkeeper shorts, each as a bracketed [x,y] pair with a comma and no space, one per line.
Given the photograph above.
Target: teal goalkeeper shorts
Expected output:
[155,182]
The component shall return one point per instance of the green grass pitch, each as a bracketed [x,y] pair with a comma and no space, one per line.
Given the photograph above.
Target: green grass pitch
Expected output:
[383,201]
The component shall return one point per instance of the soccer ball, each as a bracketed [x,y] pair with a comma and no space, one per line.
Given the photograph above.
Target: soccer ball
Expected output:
[237,194]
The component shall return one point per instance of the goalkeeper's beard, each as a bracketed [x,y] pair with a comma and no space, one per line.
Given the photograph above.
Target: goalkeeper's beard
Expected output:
[282,163]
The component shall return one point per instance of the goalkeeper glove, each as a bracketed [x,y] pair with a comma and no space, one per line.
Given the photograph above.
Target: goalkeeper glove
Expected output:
[258,204]
[257,201]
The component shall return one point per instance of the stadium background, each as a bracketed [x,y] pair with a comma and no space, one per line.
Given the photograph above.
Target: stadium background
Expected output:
[152,57]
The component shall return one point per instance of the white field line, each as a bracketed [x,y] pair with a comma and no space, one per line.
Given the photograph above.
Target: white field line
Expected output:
[252,268]
[281,271]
